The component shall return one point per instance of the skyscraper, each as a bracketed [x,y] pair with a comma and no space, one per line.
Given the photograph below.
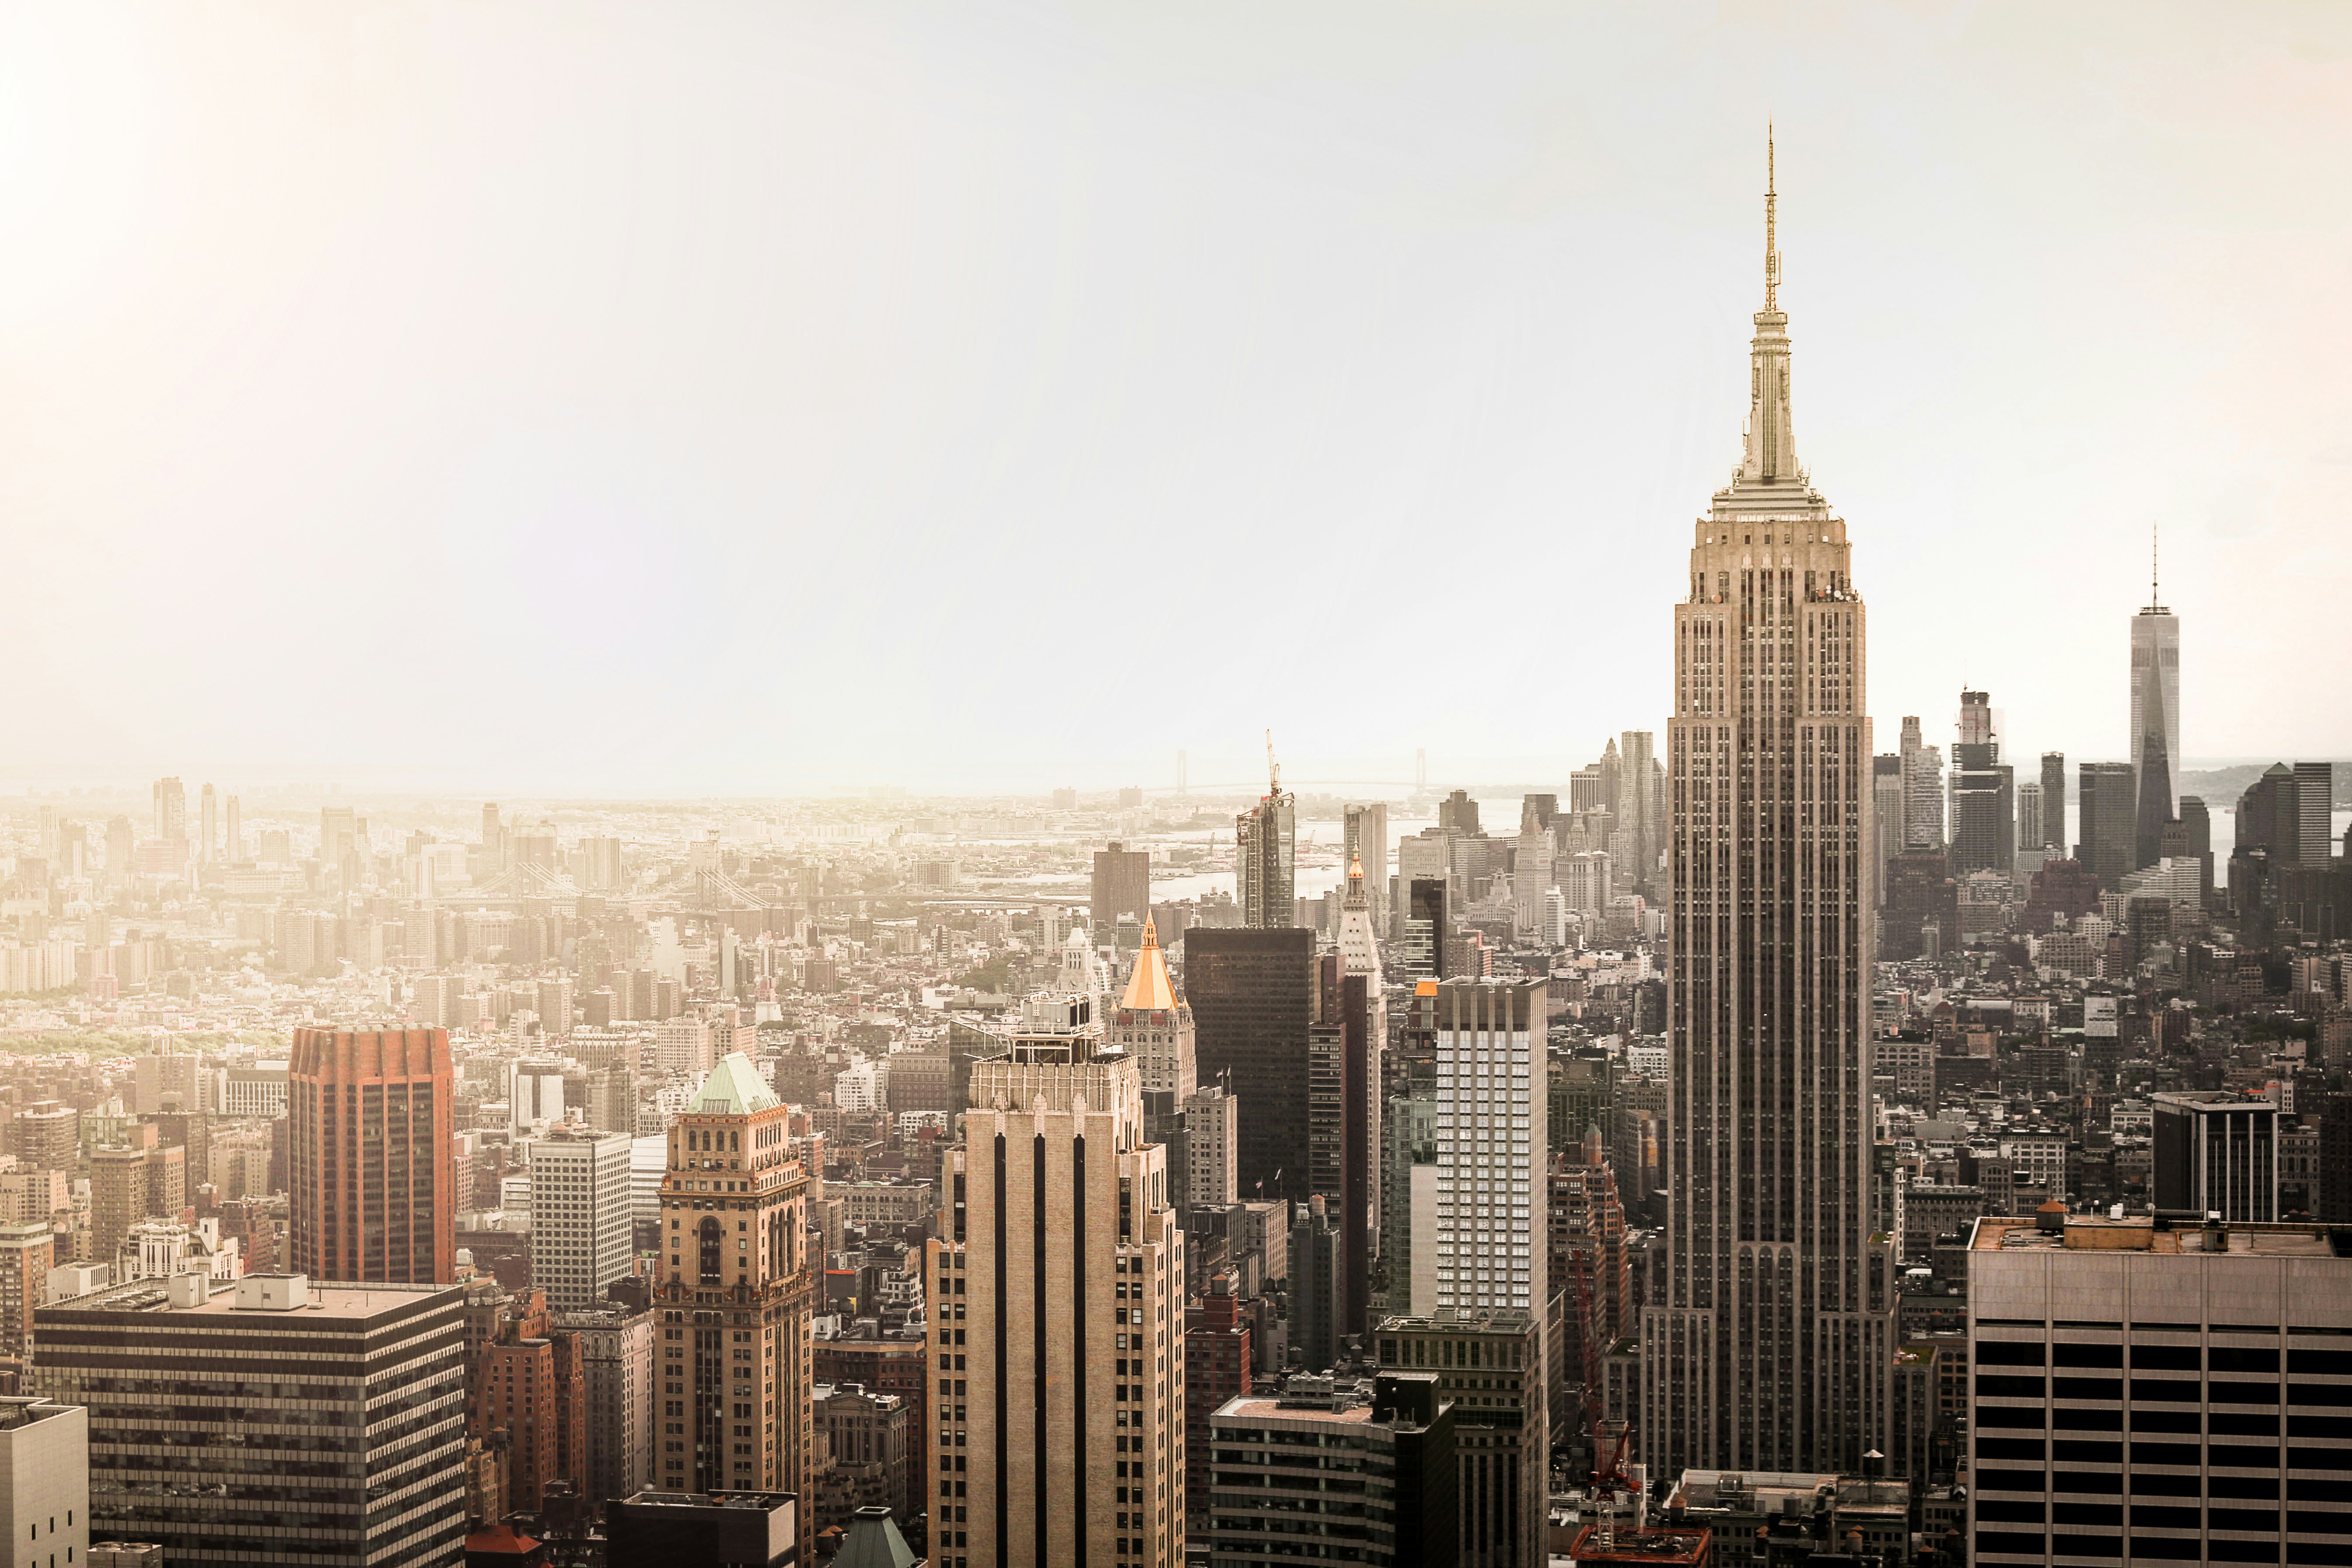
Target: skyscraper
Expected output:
[1364,840]
[1923,789]
[210,848]
[1264,857]
[2104,810]
[1058,1329]
[735,1343]
[580,1215]
[2029,815]
[1152,1024]
[1253,996]
[235,850]
[171,810]
[1122,886]
[1886,815]
[2053,801]
[1773,1350]
[1984,821]
[1491,1145]
[2155,722]
[370,1116]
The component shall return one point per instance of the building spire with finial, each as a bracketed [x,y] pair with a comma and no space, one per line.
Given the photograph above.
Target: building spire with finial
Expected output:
[2154,598]
[1771,216]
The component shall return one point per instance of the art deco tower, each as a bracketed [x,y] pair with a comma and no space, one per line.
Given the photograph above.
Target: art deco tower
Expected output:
[1773,1351]
[735,1286]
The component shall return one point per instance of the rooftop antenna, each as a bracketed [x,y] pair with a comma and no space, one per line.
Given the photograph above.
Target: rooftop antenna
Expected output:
[2154,598]
[1771,204]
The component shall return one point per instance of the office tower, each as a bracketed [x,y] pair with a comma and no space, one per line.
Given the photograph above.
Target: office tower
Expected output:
[1059,1329]
[208,850]
[1408,1191]
[1211,1149]
[1122,887]
[580,1211]
[27,1253]
[1491,1146]
[1489,1365]
[355,1396]
[1887,817]
[1364,841]
[1773,1351]
[736,1294]
[2028,816]
[171,810]
[1345,1044]
[371,1118]
[47,1136]
[1531,878]
[2215,1152]
[1152,1024]
[1317,1284]
[2155,721]
[2129,1385]
[1458,812]
[235,849]
[1984,821]
[2053,802]
[1264,858]
[683,1047]
[2106,811]
[617,1360]
[554,1008]
[1274,1456]
[1639,810]
[1923,789]
[2314,784]
[1253,999]
[127,1185]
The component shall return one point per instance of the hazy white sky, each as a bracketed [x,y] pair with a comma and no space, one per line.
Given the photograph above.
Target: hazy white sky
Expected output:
[764,396]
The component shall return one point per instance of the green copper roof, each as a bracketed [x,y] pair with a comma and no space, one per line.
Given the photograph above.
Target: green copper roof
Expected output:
[733,1089]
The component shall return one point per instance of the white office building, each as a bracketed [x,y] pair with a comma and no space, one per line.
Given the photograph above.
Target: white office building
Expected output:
[1489,1244]
[581,1213]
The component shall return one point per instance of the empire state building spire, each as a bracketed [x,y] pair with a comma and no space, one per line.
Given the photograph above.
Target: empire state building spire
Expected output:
[1771,455]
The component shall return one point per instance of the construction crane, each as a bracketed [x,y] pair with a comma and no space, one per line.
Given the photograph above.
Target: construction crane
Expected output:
[1273,769]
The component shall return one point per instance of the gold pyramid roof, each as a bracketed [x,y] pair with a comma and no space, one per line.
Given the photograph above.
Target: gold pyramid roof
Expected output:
[1148,990]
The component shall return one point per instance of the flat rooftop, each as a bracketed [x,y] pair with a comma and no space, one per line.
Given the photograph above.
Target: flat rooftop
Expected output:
[347,1302]
[2096,1233]
[1252,1407]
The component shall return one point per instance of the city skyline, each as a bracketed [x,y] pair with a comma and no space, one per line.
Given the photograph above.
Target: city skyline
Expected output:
[1545,319]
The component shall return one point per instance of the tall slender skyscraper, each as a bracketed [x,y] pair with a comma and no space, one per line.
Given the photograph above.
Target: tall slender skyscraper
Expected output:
[1984,808]
[1773,1350]
[209,803]
[1265,862]
[2155,720]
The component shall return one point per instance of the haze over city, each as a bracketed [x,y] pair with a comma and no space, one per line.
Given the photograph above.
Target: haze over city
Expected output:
[890,397]
[803,785]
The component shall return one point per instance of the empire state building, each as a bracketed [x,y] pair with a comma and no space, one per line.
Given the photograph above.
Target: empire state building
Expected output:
[1774,1349]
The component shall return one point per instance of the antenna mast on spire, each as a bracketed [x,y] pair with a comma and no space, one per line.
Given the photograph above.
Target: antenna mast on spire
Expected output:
[2153,596]
[1771,204]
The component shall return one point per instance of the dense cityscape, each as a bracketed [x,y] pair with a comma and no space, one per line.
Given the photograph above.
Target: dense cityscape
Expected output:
[1801,1134]
[1756,1148]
